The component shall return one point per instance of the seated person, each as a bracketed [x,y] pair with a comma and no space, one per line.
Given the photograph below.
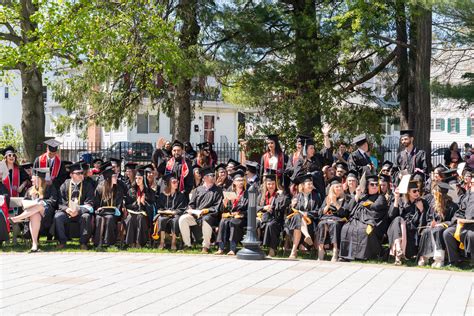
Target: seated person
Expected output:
[4,203]
[206,200]
[75,205]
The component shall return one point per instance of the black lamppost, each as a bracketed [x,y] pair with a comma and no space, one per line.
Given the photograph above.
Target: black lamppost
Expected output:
[251,250]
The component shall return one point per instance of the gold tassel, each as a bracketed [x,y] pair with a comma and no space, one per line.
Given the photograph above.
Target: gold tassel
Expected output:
[156,229]
[369,229]
[457,235]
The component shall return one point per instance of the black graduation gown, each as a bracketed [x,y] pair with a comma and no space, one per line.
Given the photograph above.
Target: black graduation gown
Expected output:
[312,206]
[413,219]
[63,175]
[411,161]
[189,179]
[465,238]
[271,222]
[106,219]
[333,219]
[177,202]
[51,198]
[313,166]
[140,218]
[210,199]
[358,241]
[431,238]
[232,228]
[23,177]
[359,162]
[3,217]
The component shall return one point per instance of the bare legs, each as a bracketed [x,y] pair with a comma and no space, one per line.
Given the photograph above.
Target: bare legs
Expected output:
[35,214]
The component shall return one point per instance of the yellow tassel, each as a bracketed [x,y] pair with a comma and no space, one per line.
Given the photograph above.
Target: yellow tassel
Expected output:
[457,235]
[367,203]
[156,228]
[369,229]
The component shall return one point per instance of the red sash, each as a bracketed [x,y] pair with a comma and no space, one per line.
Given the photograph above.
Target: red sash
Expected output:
[12,185]
[236,201]
[281,161]
[4,208]
[184,171]
[269,198]
[43,163]
[296,156]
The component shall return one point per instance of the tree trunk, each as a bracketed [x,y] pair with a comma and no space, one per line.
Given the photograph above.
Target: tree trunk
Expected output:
[412,68]
[402,63]
[422,108]
[189,32]
[32,118]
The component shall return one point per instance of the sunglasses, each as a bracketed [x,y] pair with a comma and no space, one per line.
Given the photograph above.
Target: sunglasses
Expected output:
[373,184]
[415,191]
[174,181]
[10,155]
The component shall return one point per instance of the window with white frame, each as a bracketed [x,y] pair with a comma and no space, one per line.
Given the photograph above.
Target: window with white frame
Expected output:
[437,124]
[148,123]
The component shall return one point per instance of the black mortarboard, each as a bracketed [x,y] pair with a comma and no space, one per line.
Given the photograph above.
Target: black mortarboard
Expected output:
[301,138]
[177,143]
[302,178]
[40,172]
[169,176]
[75,167]
[149,168]
[207,171]
[451,180]
[272,137]
[352,174]
[441,167]
[270,174]
[141,171]
[204,146]
[240,168]
[360,139]
[131,165]
[308,142]
[443,187]
[335,180]
[419,176]
[84,165]
[233,162]
[385,178]
[27,165]
[8,150]
[450,173]
[106,169]
[115,161]
[371,178]
[342,164]
[52,144]
[238,174]
[96,160]
[221,166]
[252,166]
[387,164]
[413,184]
[406,132]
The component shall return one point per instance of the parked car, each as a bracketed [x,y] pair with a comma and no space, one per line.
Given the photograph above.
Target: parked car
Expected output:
[437,156]
[129,151]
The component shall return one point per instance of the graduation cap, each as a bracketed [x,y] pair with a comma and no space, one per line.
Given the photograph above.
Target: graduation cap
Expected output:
[360,139]
[84,165]
[8,150]
[385,178]
[204,146]
[335,180]
[406,133]
[75,167]
[115,161]
[342,165]
[441,168]
[352,174]
[303,178]
[240,168]
[387,164]
[270,174]
[131,166]
[419,176]
[301,138]
[252,166]
[149,168]
[207,171]
[96,160]
[450,173]
[140,171]
[66,164]
[443,187]
[239,174]
[52,144]
[177,143]
[372,178]
[106,169]
[167,178]
[41,172]
[233,162]
[451,180]
[413,184]
[272,137]
[26,165]
[221,166]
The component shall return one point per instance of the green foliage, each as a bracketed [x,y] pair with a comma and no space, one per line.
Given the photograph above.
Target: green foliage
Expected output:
[10,137]
[462,92]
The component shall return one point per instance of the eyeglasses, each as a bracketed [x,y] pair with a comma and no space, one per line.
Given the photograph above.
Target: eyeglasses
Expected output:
[373,184]
[10,155]
[174,181]
[415,191]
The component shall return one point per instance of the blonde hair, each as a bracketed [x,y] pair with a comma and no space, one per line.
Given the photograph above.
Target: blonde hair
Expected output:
[264,188]
[440,202]
[331,194]
[38,192]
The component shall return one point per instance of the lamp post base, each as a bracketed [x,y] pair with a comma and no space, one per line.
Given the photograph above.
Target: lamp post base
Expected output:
[251,251]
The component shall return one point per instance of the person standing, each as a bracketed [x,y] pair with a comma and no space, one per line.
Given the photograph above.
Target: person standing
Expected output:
[410,158]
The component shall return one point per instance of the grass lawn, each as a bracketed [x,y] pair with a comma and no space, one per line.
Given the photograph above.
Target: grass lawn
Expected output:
[73,246]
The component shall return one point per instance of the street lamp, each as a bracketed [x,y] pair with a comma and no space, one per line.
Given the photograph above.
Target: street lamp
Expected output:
[251,250]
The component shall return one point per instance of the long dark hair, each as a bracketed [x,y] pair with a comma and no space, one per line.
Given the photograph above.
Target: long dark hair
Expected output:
[278,149]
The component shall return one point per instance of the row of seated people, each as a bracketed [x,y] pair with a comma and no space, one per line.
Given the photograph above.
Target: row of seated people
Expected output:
[355,224]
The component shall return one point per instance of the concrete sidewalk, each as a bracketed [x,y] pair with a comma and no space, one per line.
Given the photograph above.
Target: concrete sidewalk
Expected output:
[137,284]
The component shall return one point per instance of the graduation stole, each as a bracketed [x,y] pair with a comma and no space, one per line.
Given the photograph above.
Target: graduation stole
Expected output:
[13,184]
[70,194]
[281,161]
[296,156]
[43,163]
[269,198]
[4,210]
[184,170]
[236,201]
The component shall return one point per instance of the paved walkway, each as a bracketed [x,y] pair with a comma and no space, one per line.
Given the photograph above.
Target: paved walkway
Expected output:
[137,284]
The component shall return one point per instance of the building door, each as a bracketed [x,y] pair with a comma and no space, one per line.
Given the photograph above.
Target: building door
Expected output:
[209,128]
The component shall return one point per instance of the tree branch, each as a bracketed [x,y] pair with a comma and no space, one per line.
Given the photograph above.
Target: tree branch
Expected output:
[390,40]
[11,38]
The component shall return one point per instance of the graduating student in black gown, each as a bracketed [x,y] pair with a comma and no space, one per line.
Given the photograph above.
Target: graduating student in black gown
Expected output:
[140,206]
[234,216]
[170,204]
[410,158]
[359,159]
[439,216]
[75,205]
[332,216]
[303,215]
[272,205]
[361,236]
[109,197]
